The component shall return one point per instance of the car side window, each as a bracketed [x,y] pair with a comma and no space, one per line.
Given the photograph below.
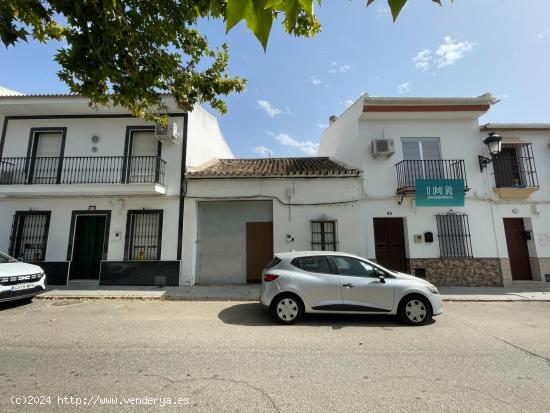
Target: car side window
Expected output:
[317,264]
[354,267]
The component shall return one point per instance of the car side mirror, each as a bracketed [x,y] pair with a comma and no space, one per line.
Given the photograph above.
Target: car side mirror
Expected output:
[381,277]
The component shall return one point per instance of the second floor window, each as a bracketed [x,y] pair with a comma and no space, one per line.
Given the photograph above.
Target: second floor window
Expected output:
[514,166]
[29,235]
[323,236]
[143,235]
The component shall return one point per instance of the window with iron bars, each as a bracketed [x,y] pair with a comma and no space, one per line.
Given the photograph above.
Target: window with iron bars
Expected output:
[453,231]
[29,235]
[143,235]
[323,236]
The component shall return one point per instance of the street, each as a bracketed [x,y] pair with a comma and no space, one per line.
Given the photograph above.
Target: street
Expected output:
[229,356]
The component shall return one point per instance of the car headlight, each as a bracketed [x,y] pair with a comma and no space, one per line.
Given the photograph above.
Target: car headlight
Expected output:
[433,289]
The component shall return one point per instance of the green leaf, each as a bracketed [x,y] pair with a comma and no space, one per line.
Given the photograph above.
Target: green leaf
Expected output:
[236,11]
[396,6]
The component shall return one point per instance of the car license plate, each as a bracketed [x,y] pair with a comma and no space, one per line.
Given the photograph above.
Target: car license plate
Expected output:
[23,286]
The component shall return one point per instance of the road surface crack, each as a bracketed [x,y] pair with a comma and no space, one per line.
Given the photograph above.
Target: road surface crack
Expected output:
[216,378]
[547,359]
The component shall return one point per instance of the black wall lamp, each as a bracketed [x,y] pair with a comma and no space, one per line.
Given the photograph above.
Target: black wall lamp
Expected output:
[494,146]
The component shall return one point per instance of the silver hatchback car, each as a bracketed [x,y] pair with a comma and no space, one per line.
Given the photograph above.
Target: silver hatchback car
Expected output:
[295,283]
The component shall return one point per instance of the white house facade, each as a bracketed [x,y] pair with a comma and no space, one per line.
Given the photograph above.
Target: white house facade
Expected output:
[501,233]
[98,195]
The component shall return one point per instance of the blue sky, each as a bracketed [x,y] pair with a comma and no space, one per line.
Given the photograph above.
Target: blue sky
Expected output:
[473,47]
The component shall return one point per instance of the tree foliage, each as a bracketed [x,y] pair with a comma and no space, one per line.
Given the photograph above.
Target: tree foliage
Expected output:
[132,52]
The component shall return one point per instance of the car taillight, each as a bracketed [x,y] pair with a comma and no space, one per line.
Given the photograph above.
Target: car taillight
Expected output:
[270,277]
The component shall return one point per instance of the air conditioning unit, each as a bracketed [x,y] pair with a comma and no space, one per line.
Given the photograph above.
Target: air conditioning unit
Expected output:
[168,134]
[382,148]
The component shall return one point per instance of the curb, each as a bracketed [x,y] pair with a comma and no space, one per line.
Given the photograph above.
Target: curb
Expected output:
[248,299]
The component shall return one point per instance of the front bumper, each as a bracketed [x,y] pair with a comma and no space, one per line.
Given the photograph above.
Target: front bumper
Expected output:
[437,304]
[6,293]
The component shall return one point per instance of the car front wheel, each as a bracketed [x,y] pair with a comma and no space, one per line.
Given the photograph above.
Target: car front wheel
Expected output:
[287,309]
[415,310]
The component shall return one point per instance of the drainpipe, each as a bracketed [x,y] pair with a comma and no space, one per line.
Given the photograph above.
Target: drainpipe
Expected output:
[183,184]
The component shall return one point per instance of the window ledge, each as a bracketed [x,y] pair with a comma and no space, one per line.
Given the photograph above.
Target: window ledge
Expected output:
[515,192]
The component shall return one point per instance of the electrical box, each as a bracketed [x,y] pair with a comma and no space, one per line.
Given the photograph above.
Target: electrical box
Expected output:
[428,237]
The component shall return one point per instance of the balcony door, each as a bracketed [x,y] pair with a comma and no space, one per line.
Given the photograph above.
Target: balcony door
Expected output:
[46,151]
[424,154]
[143,156]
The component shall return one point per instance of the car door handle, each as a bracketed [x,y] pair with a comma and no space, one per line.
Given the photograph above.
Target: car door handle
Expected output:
[348,285]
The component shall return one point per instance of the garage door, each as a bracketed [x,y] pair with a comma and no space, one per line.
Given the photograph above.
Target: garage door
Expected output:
[222,232]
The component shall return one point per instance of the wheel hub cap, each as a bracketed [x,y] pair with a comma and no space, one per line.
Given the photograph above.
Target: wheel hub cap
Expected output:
[287,309]
[416,311]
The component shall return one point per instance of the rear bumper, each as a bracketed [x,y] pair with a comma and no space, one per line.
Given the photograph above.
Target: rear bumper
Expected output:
[6,293]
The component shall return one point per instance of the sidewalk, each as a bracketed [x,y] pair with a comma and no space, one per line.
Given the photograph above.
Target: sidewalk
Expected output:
[251,293]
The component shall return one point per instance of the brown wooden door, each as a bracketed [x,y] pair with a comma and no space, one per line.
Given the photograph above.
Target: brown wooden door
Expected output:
[517,249]
[389,243]
[259,248]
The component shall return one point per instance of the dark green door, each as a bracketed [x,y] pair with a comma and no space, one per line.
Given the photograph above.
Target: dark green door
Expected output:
[88,246]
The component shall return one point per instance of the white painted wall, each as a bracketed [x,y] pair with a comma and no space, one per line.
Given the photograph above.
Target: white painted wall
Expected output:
[349,139]
[205,140]
[339,198]
[60,222]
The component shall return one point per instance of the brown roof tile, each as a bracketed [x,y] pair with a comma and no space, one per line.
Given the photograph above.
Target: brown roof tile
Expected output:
[275,167]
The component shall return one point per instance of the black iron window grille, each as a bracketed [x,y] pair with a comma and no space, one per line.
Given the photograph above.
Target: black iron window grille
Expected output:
[514,166]
[29,235]
[143,235]
[453,231]
[323,236]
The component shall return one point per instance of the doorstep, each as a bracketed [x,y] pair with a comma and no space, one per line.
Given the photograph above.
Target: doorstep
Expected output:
[245,292]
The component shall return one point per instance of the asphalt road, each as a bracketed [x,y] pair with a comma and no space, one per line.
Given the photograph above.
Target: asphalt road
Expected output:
[228,356]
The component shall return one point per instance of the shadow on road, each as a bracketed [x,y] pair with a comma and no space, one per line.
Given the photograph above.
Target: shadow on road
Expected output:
[7,305]
[253,314]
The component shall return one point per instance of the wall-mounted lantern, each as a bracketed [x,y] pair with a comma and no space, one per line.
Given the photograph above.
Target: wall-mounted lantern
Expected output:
[494,146]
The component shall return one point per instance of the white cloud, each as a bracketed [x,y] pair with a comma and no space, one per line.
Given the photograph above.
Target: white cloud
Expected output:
[452,51]
[381,11]
[422,59]
[404,87]
[306,147]
[315,81]
[262,150]
[543,35]
[339,67]
[271,110]
[322,125]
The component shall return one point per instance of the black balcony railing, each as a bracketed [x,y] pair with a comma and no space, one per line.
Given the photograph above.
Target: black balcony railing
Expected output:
[409,171]
[82,170]
[514,167]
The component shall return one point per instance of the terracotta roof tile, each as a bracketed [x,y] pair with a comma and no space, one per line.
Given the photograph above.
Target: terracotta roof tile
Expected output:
[275,167]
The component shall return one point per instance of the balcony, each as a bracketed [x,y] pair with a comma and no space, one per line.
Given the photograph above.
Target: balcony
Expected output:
[514,172]
[74,174]
[409,171]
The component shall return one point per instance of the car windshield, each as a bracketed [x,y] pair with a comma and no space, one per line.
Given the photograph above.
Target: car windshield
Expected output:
[4,258]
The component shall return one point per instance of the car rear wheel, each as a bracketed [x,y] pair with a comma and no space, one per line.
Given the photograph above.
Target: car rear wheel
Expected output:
[415,310]
[287,309]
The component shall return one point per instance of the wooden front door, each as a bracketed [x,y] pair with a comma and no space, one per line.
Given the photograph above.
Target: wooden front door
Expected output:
[517,248]
[389,243]
[259,249]
[89,237]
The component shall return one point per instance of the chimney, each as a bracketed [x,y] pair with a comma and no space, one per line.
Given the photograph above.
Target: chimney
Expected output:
[332,119]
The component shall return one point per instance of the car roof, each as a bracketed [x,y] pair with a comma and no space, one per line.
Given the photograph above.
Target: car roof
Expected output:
[295,254]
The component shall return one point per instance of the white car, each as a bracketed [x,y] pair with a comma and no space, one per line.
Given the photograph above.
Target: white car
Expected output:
[19,280]
[295,283]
